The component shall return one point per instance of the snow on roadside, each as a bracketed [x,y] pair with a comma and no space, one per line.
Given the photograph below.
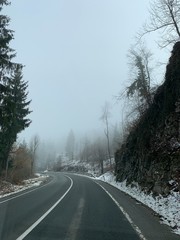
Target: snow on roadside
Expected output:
[8,189]
[167,207]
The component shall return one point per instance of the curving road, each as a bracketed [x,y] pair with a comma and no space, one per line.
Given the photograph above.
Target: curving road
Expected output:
[74,207]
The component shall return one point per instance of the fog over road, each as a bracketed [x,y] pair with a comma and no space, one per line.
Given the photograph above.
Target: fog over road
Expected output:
[75,207]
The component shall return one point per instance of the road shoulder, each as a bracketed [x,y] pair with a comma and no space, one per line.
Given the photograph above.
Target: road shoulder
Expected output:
[142,216]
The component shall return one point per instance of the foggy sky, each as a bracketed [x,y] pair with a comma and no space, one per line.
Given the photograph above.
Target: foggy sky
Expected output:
[75,53]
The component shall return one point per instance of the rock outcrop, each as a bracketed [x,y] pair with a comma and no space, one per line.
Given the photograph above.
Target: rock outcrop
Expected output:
[151,153]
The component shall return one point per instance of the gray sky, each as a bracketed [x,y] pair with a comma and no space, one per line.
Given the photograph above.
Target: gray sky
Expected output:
[75,56]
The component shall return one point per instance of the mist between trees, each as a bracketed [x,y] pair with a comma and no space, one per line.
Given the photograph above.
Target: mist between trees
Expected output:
[138,95]
[80,153]
[91,152]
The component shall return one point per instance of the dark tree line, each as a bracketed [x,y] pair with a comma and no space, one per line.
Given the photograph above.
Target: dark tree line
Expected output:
[14,106]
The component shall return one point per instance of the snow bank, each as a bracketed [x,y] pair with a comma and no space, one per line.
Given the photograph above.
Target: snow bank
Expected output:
[167,207]
[9,189]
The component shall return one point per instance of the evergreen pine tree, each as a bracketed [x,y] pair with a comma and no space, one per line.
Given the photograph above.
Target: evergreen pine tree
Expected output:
[13,95]
[14,112]
[6,66]
[6,53]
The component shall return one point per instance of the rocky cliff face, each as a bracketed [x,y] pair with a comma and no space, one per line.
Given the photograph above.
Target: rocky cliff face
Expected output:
[151,153]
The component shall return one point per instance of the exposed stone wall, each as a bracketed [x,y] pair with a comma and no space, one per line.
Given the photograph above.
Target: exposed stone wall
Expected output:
[151,154]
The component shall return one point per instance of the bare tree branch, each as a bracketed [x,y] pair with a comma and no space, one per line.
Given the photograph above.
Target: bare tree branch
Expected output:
[165,19]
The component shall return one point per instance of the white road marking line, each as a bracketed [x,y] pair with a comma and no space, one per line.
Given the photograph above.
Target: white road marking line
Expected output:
[136,228]
[74,226]
[45,214]
[19,195]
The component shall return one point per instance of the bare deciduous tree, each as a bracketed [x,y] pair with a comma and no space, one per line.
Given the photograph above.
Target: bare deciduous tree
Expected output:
[117,137]
[99,152]
[21,165]
[164,18]
[33,149]
[105,119]
[70,145]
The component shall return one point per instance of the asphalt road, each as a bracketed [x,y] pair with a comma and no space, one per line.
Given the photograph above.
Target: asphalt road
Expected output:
[73,207]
